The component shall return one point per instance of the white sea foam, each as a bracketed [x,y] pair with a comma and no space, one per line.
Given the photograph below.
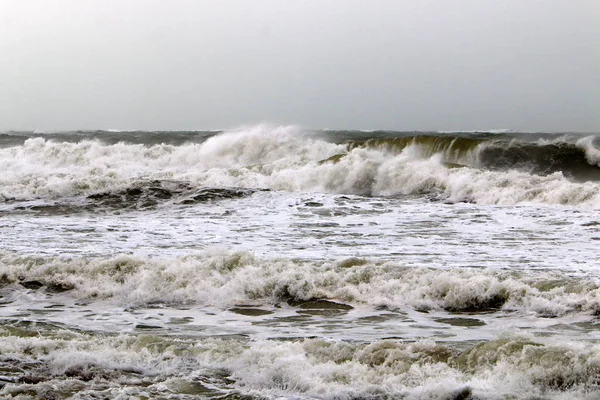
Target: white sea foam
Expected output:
[277,158]
[123,366]
[454,284]
[224,279]
[592,153]
[498,369]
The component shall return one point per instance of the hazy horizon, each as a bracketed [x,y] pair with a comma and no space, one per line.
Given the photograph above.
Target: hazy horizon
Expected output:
[301,128]
[463,65]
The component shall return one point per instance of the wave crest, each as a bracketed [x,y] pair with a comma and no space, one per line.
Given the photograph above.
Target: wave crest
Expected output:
[456,167]
[224,279]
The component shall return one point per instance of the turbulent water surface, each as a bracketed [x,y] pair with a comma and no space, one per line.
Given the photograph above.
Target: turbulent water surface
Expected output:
[272,262]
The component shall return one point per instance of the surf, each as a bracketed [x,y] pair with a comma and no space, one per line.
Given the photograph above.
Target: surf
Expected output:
[471,167]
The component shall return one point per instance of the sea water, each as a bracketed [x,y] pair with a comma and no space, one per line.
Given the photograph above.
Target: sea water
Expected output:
[274,262]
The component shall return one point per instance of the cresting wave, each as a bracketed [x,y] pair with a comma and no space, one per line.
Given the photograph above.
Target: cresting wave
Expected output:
[468,167]
[577,159]
[80,365]
[41,358]
[344,269]
[222,279]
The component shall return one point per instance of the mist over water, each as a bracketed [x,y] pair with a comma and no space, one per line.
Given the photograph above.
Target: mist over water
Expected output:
[276,262]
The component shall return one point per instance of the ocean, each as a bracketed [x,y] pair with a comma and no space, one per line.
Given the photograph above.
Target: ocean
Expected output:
[274,262]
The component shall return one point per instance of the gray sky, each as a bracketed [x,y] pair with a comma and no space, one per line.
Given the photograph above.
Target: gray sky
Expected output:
[370,64]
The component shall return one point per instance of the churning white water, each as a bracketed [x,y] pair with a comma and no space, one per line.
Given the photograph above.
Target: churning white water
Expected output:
[275,263]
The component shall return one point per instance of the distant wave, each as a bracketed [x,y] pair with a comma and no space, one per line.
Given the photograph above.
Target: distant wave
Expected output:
[482,168]
[576,159]
[498,131]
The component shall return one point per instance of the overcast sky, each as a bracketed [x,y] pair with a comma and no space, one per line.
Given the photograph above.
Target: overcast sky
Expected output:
[369,64]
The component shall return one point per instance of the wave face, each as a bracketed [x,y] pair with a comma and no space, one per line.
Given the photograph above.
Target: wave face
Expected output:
[486,168]
[576,160]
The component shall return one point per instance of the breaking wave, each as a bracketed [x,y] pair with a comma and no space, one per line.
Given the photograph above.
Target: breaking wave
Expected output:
[484,168]
[40,363]
[219,278]
[300,369]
